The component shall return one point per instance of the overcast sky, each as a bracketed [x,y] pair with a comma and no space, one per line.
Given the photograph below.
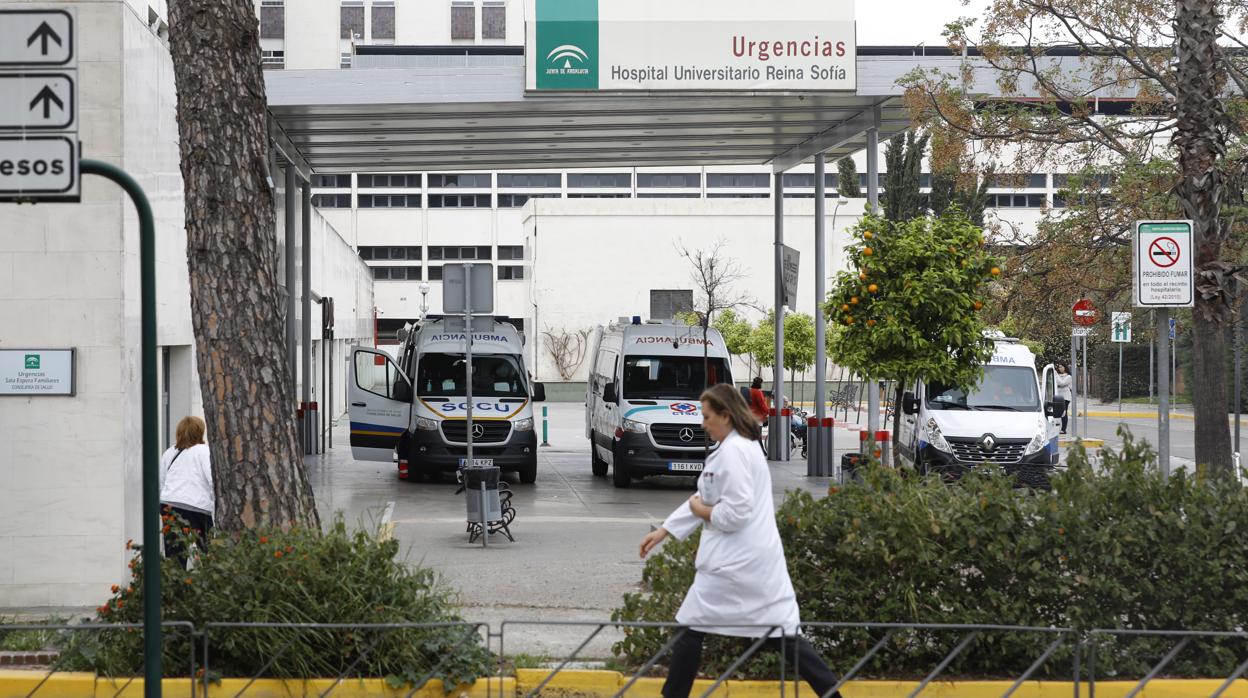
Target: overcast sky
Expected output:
[908,22]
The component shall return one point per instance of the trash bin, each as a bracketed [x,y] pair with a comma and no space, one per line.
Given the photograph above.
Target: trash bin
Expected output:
[481,494]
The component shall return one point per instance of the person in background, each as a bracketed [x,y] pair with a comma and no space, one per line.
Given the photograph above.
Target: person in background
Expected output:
[186,487]
[1064,382]
[758,401]
[742,586]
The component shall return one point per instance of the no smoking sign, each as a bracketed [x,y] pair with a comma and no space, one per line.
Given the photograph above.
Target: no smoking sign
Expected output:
[1162,265]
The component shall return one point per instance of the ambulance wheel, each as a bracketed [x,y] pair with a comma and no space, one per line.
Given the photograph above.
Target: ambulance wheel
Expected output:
[619,475]
[528,472]
[597,463]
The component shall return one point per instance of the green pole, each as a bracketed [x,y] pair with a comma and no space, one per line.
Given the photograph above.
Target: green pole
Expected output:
[151,447]
[545,427]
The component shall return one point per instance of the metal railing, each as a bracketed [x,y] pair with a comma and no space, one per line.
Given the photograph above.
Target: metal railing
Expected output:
[918,653]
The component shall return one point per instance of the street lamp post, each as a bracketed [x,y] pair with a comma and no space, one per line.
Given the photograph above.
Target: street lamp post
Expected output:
[424,300]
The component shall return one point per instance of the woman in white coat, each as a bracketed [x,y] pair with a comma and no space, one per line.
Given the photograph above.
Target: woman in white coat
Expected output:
[186,488]
[742,585]
[1063,383]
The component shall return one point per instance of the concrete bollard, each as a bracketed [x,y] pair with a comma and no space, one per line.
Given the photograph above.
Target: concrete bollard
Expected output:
[827,440]
[814,446]
[883,447]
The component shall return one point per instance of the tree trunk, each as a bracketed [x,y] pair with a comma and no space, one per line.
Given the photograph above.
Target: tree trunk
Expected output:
[1200,142]
[232,256]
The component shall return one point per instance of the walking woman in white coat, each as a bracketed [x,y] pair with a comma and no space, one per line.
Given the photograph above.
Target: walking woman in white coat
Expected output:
[742,585]
[186,487]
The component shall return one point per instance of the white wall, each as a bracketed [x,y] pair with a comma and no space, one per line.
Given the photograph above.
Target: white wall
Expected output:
[596,261]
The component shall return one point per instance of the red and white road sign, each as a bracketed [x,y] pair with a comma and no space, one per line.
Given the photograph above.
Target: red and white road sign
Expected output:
[1084,313]
[1163,267]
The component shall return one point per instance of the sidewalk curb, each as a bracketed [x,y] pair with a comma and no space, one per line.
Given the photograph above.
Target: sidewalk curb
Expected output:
[576,684]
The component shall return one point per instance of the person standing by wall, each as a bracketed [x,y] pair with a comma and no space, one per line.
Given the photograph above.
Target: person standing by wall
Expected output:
[742,586]
[1063,381]
[186,487]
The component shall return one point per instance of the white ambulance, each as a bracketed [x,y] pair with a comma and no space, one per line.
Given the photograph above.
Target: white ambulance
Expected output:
[413,409]
[642,412]
[1008,419]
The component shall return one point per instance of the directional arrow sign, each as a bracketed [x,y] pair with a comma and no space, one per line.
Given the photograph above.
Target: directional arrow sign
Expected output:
[37,101]
[37,38]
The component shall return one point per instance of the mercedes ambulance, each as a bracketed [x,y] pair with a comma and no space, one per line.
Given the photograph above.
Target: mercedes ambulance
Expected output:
[642,412]
[1009,418]
[413,409]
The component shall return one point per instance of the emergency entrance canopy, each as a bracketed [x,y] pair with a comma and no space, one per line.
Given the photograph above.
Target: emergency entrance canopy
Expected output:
[608,45]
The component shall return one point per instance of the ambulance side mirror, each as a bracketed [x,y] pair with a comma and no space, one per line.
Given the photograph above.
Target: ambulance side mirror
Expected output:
[909,403]
[539,392]
[608,393]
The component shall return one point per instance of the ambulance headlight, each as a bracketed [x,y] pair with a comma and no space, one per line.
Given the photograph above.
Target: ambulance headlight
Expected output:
[935,438]
[635,427]
[1038,442]
[525,424]
[426,424]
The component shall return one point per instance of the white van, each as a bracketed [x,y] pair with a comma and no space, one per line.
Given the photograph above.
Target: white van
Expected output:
[1008,419]
[642,412]
[414,410]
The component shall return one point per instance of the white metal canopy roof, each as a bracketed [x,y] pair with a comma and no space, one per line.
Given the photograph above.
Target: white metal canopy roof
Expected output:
[479,117]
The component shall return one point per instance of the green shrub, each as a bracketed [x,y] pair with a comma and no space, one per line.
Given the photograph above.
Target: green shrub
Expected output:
[273,576]
[1122,548]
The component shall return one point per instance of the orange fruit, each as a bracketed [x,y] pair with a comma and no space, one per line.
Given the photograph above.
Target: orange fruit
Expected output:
[868,234]
[845,307]
[849,320]
[873,288]
[995,271]
[868,251]
[978,305]
[870,323]
[862,275]
[853,300]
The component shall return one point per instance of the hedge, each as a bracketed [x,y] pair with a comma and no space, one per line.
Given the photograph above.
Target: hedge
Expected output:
[298,576]
[1119,548]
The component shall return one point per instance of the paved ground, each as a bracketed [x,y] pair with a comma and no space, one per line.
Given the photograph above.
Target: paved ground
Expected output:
[575,554]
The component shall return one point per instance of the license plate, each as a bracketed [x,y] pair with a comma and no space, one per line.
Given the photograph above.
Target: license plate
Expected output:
[685,467]
[480,462]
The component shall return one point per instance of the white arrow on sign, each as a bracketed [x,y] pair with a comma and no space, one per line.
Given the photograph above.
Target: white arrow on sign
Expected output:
[37,101]
[38,166]
[37,38]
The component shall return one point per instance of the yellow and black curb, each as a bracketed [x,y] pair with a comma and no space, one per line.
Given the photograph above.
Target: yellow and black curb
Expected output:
[580,684]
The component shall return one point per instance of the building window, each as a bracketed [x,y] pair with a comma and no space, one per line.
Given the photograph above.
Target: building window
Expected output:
[391,254]
[331,200]
[518,200]
[1015,201]
[351,19]
[664,305]
[1020,181]
[738,195]
[435,273]
[342,181]
[523,179]
[672,180]
[494,20]
[272,19]
[459,201]
[510,273]
[397,273]
[389,200]
[383,20]
[345,60]
[600,179]
[510,252]
[670,195]
[394,181]
[459,253]
[273,60]
[599,196]
[741,180]
[463,20]
[459,181]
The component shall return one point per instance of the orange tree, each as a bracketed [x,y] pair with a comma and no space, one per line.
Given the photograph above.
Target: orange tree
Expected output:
[908,305]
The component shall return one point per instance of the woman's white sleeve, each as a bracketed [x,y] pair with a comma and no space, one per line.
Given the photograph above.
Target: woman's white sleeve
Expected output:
[682,522]
[736,499]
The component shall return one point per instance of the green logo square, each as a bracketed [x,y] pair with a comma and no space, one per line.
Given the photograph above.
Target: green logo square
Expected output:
[32,361]
[567,45]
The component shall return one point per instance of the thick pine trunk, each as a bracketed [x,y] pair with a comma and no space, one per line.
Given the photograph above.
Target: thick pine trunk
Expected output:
[1199,139]
[232,255]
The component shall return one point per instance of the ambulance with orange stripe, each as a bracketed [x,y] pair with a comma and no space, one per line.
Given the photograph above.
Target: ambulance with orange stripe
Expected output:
[413,409]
